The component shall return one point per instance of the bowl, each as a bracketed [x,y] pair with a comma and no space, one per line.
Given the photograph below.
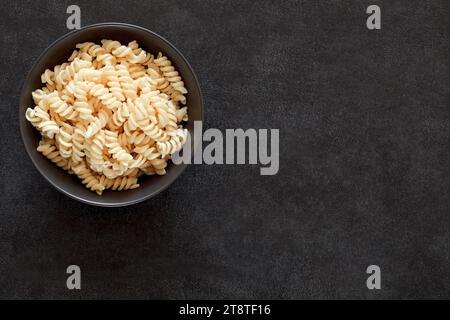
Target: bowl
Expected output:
[57,53]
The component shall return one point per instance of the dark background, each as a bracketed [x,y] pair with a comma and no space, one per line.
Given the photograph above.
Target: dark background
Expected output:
[364,141]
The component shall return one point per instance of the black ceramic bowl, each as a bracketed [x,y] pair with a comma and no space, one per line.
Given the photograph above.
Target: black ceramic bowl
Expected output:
[59,52]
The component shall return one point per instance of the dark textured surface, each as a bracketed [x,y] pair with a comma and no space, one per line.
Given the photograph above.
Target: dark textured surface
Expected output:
[363,174]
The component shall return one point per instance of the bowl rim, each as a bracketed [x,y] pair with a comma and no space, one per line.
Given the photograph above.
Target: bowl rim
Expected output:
[23,123]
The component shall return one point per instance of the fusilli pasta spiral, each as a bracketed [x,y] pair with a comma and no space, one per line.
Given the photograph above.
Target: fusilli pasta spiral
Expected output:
[110,114]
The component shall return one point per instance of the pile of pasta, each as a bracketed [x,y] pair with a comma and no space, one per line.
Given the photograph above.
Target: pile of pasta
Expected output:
[110,114]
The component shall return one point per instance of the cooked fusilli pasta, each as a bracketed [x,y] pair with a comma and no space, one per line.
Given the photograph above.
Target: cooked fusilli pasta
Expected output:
[110,114]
